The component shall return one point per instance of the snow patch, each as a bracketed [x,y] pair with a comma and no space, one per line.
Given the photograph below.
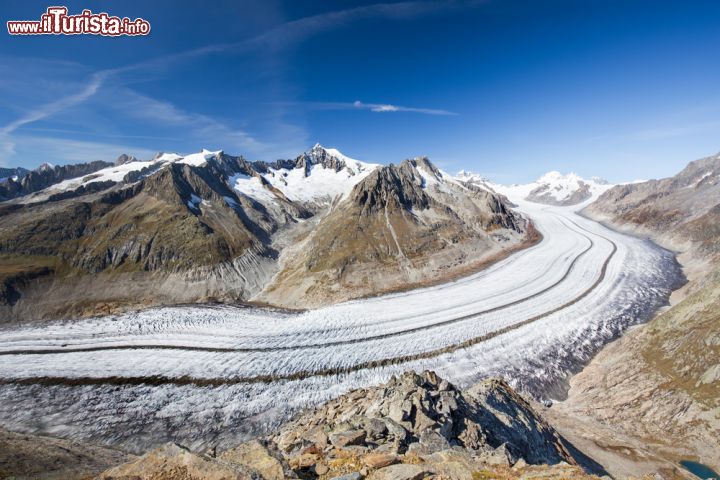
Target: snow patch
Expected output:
[251,187]
[320,183]
[198,159]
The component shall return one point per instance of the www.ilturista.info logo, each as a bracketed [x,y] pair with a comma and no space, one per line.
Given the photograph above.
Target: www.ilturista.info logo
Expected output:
[56,21]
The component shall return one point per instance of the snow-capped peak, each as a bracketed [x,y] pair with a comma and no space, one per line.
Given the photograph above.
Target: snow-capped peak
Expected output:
[167,157]
[555,188]
[333,158]
[318,150]
[555,177]
[45,167]
[198,159]
[469,176]
[316,176]
[118,172]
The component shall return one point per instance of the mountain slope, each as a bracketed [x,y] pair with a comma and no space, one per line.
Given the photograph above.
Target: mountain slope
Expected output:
[660,384]
[402,225]
[138,243]
[211,226]
[679,212]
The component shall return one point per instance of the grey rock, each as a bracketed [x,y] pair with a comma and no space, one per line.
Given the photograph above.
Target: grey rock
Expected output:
[349,476]
[489,419]
[399,472]
[348,437]
[433,442]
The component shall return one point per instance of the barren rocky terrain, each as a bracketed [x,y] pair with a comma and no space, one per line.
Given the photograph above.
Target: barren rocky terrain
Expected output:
[413,427]
[658,387]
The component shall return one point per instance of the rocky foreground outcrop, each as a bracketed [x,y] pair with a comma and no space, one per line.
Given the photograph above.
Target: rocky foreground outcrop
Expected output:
[24,456]
[413,427]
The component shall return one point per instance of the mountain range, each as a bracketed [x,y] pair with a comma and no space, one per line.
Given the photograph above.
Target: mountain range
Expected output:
[323,228]
[317,229]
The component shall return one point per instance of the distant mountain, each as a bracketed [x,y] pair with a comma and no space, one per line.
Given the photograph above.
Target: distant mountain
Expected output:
[476,179]
[15,173]
[554,188]
[211,226]
[44,176]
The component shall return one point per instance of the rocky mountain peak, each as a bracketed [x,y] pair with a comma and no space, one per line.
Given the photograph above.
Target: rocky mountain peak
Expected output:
[44,167]
[124,158]
[11,173]
[471,177]
[423,414]
[319,155]
[391,187]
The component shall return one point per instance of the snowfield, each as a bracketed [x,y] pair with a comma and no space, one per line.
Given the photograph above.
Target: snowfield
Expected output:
[213,375]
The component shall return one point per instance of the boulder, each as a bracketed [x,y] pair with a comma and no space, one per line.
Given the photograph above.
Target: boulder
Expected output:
[256,456]
[171,462]
[349,476]
[379,460]
[455,463]
[401,471]
[348,437]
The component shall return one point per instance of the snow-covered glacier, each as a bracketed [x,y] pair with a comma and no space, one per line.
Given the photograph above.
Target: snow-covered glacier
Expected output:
[211,375]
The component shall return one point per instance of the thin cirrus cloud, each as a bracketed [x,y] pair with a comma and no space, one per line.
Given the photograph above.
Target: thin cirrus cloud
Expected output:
[287,33]
[384,107]
[66,151]
[372,107]
[204,126]
[280,36]
[51,108]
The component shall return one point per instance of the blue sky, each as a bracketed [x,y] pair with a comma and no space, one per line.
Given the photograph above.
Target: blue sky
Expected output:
[511,89]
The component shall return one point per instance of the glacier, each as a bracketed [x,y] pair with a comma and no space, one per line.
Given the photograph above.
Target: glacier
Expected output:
[213,375]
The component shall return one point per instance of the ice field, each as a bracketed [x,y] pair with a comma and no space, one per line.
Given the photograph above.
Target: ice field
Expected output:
[212,375]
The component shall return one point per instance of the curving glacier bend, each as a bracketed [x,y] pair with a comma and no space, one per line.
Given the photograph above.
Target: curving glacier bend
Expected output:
[211,375]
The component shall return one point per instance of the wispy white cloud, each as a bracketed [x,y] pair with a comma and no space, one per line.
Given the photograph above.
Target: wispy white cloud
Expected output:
[384,107]
[373,107]
[8,143]
[199,125]
[48,109]
[292,32]
[98,134]
[286,34]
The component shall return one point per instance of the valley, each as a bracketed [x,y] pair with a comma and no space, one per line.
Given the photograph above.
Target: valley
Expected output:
[361,240]
[212,375]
